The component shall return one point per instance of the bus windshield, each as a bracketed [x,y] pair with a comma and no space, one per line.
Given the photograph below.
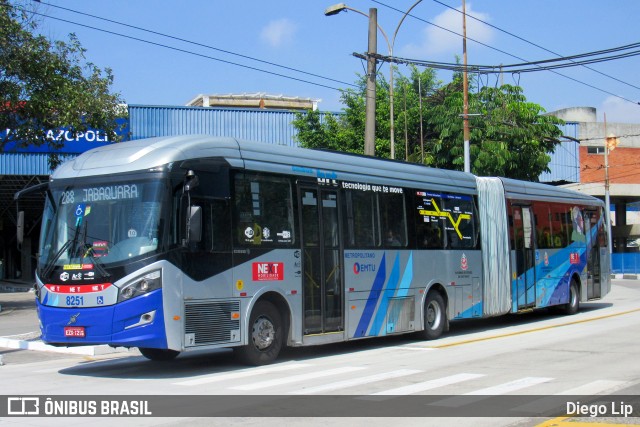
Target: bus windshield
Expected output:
[100,224]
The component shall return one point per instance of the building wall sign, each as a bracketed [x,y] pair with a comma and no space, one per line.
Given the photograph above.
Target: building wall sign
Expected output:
[79,143]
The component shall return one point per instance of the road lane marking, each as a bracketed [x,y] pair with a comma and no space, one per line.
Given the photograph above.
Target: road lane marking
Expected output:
[485,393]
[296,378]
[242,374]
[428,385]
[357,381]
[543,328]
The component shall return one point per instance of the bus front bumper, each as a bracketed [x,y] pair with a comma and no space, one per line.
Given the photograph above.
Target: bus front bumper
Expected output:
[138,322]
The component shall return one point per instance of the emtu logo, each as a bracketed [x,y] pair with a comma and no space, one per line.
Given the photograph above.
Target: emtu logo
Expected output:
[361,268]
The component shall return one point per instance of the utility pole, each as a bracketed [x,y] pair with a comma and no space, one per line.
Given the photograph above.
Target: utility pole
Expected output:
[465,93]
[610,143]
[370,109]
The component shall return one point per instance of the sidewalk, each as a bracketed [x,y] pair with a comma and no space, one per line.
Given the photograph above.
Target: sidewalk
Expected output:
[19,325]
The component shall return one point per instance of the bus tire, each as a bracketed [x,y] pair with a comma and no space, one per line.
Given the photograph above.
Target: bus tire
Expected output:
[434,316]
[265,336]
[158,354]
[574,299]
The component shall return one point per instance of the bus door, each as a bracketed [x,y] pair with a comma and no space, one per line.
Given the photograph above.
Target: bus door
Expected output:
[523,227]
[593,255]
[321,260]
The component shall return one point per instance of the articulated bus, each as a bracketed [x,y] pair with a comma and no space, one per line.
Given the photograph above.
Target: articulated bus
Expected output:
[186,243]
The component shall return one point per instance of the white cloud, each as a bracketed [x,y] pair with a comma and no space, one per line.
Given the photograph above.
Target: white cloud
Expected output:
[619,111]
[278,33]
[436,41]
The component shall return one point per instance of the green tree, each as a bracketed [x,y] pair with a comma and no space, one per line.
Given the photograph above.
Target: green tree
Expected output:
[345,131]
[47,85]
[509,136]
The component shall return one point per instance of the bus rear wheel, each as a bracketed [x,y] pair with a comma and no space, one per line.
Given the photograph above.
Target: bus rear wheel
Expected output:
[574,299]
[158,354]
[434,316]
[265,336]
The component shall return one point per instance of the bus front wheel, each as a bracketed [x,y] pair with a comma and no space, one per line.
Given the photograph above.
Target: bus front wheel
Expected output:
[158,354]
[434,316]
[265,336]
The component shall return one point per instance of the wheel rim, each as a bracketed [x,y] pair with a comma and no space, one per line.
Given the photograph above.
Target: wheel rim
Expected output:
[433,315]
[574,296]
[263,334]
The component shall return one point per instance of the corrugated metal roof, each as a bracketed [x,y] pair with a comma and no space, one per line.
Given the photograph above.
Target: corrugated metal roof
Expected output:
[27,164]
[565,161]
[271,126]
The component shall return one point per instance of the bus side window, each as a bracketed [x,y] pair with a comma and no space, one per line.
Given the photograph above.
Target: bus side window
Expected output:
[264,214]
[216,225]
[429,228]
[362,220]
[603,239]
[461,225]
[561,224]
[220,226]
[393,219]
[544,226]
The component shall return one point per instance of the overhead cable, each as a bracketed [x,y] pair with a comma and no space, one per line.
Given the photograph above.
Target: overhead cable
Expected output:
[507,53]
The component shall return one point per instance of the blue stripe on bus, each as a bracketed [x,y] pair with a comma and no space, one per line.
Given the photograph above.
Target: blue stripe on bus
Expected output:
[407,278]
[554,289]
[403,289]
[372,301]
[381,314]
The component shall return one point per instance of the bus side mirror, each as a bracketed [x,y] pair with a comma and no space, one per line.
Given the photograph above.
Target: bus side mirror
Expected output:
[194,224]
[20,227]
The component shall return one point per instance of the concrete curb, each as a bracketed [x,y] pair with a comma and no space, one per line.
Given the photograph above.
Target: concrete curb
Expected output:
[91,350]
[625,276]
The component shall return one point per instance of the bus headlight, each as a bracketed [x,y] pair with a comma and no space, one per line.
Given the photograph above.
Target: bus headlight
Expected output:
[141,285]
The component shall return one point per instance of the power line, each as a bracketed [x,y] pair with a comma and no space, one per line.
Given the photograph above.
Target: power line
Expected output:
[534,44]
[188,51]
[526,67]
[507,53]
[595,138]
[185,51]
[195,43]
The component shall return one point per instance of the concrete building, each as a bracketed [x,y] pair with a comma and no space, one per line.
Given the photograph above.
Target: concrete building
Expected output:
[624,174]
[255,100]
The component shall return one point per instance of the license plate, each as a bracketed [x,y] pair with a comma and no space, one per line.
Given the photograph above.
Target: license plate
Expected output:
[74,331]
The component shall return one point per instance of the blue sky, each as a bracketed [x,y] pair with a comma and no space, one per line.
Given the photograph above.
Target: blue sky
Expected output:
[297,35]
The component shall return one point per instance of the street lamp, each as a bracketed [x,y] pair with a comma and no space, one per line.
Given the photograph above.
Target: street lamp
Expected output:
[337,8]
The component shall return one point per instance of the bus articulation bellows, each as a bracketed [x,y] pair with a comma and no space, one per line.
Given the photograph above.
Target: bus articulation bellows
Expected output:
[181,243]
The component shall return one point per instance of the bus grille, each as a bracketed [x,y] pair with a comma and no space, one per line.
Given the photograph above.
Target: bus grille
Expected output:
[211,322]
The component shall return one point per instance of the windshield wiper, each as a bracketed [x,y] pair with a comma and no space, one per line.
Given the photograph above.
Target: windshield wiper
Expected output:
[98,264]
[48,269]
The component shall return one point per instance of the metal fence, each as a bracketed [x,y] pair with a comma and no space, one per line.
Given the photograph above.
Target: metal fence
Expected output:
[625,263]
